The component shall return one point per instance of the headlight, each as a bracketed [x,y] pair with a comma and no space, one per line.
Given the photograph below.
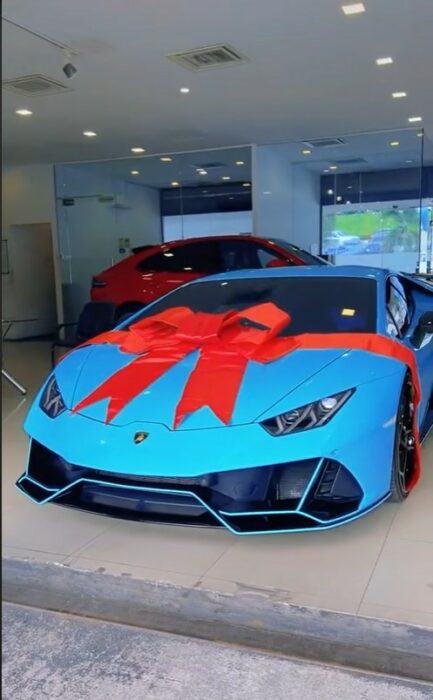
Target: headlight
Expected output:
[51,400]
[313,415]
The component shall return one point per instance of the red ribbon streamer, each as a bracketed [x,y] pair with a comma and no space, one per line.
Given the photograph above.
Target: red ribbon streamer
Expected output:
[225,347]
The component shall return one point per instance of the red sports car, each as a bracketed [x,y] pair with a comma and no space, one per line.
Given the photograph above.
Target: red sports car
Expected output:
[154,270]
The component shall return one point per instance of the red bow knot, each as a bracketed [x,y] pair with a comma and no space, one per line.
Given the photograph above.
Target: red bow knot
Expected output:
[226,342]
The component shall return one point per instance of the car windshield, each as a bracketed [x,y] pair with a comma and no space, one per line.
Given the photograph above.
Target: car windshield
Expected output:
[305,256]
[315,304]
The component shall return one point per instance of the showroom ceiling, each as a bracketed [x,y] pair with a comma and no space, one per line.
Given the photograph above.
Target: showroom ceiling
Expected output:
[310,71]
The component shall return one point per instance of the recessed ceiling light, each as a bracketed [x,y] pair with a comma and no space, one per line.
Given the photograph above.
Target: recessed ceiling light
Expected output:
[23,112]
[386,61]
[348,201]
[333,167]
[398,95]
[306,152]
[354,9]
[420,133]
[394,143]
[246,184]
[267,192]
[135,172]
[240,162]
[184,90]
[413,120]
[89,134]
[339,198]
[349,187]
[175,184]
[330,191]
[409,161]
[166,159]
[226,177]
[138,149]
[202,172]
[326,171]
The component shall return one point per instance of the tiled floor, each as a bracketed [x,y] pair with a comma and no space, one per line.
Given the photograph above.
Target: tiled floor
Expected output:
[380,565]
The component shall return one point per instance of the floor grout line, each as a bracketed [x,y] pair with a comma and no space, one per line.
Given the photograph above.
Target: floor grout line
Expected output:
[385,540]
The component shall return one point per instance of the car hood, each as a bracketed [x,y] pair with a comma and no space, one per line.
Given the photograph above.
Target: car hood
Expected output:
[264,386]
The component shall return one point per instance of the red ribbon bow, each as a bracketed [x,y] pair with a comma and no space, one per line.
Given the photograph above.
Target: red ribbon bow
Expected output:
[226,343]
[162,340]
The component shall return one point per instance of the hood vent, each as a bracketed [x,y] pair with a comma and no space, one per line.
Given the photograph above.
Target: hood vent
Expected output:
[207,57]
[324,143]
[34,85]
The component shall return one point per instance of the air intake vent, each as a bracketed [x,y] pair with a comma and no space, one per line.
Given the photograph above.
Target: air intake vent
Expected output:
[207,57]
[34,85]
[324,143]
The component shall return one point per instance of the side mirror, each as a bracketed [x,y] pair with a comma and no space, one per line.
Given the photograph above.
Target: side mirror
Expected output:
[277,262]
[424,327]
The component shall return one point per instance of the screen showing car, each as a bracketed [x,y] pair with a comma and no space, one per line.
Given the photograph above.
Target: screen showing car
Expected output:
[315,304]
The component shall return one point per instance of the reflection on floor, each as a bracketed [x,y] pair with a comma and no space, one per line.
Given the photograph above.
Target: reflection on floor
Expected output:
[380,566]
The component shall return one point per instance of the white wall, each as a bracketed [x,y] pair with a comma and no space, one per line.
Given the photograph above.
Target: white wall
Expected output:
[28,198]
[219,223]
[272,186]
[306,220]
[89,231]
[286,197]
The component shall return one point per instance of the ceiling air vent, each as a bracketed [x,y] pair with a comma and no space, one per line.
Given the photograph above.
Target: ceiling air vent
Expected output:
[34,85]
[207,57]
[324,143]
[208,166]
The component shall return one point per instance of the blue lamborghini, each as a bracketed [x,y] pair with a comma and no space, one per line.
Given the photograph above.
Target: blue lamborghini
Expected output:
[304,412]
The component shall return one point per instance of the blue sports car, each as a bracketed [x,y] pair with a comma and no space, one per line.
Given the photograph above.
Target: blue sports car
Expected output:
[263,401]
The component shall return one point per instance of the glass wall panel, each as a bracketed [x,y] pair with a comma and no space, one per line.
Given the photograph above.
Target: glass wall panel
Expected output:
[358,199]
[106,209]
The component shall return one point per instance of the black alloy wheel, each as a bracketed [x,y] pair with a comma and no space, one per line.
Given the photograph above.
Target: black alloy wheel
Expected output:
[404,448]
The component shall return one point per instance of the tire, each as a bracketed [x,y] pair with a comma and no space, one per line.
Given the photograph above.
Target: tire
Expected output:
[404,445]
[126,310]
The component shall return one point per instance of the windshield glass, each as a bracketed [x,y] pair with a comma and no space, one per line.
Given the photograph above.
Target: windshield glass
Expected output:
[306,257]
[315,304]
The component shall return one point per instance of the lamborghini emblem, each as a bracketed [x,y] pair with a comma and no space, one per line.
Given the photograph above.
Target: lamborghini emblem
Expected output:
[140,437]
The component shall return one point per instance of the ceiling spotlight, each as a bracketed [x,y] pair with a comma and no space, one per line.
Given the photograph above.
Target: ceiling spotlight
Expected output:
[138,149]
[226,177]
[409,161]
[246,184]
[69,70]
[354,9]
[184,90]
[339,198]
[90,134]
[135,172]
[326,171]
[333,167]
[398,95]
[240,162]
[306,152]
[384,61]
[413,120]
[394,144]
[23,112]
[202,172]
[166,159]
[330,192]
[420,134]
[175,184]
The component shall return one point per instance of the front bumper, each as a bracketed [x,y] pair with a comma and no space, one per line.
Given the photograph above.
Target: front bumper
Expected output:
[308,494]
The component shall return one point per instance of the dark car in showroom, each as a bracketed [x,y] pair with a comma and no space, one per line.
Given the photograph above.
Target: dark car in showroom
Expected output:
[154,270]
